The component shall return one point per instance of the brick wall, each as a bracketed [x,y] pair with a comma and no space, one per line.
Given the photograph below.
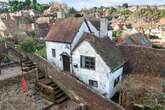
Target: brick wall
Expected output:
[144,60]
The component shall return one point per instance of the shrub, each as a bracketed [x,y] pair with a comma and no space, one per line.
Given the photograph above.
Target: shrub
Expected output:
[154,37]
[27,45]
[42,52]
[157,46]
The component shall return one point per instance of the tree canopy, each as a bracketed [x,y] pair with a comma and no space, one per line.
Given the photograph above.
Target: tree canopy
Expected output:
[125,5]
[16,5]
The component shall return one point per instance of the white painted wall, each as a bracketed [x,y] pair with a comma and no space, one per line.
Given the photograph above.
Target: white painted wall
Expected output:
[102,72]
[60,48]
[60,14]
[82,30]
[112,90]
[110,34]
[93,29]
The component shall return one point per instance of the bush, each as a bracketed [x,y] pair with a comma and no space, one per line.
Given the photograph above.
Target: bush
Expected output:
[42,52]
[153,37]
[116,34]
[157,46]
[27,45]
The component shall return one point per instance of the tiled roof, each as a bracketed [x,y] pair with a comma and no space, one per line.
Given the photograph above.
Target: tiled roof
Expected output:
[135,39]
[64,30]
[106,49]
[95,23]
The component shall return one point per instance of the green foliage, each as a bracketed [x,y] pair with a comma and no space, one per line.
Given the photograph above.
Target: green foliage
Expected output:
[157,46]
[27,45]
[109,17]
[31,33]
[162,13]
[125,12]
[114,12]
[27,2]
[148,14]
[2,40]
[153,37]
[125,5]
[34,4]
[72,11]
[16,5]
[40,7]
[115,35]
[42,52]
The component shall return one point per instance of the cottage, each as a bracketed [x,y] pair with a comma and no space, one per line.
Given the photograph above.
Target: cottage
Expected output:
[98,63]
[62,38]
[69,47]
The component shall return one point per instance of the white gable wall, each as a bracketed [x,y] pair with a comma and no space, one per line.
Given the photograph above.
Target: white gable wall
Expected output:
[101,69]
[60,48]
[82,30]
[93,29]
[102,72]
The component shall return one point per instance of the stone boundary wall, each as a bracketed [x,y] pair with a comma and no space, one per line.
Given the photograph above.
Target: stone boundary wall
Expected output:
[14,80]
[144,60]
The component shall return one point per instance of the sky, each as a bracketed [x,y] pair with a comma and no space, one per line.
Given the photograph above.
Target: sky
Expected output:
[78,4]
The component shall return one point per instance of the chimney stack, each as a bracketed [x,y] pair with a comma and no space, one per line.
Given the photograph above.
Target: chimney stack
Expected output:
[103,27]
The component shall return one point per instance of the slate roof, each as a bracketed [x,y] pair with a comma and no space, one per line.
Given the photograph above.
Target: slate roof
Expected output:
[107,50]
[64,30]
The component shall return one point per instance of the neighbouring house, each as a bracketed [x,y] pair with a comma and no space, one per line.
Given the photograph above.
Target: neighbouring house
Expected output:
[4,5]
[42,29]
[68,40]
[43,25]
[10,26]
[135,38]
[3,29]
[30,13]
[98,63]
[41,20]
[56,10]
[27,27]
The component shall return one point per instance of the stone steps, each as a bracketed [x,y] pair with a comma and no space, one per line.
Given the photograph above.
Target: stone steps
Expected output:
[57,95]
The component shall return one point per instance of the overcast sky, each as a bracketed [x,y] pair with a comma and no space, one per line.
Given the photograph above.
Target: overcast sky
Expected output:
[78,4]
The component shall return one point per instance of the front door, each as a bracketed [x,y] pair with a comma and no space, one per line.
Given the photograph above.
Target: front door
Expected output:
[66,63]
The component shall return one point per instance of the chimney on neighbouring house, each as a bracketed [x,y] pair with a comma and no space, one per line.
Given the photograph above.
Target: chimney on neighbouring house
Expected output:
[103,27]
